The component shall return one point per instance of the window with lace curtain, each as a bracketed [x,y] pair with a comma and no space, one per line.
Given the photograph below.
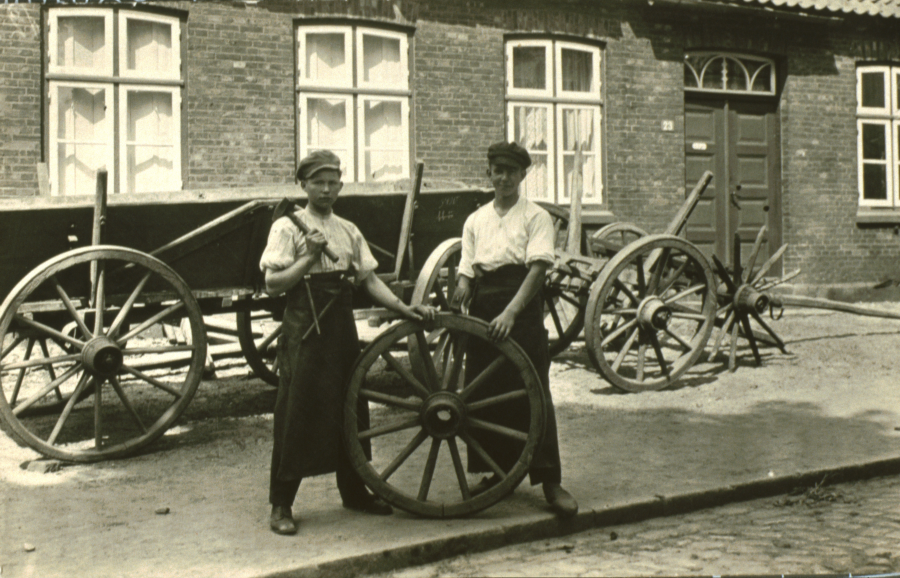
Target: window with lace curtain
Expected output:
[353,98]
[115,82]
[554,110]
[878,135]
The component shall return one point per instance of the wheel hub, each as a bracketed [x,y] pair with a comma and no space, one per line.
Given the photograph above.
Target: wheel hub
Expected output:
[443,415]
[654,313]
[101,356]
[748,298]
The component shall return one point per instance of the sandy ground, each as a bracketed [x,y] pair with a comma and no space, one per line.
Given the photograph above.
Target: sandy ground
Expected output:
[838,377]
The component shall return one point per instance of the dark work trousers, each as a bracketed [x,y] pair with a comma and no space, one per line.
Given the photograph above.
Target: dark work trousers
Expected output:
[313,376]
[492,293]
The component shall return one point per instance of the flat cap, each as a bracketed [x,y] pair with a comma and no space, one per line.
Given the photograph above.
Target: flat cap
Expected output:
[509,153]
[315,162]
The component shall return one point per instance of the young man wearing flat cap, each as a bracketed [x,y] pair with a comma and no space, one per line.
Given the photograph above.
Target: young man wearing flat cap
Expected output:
[507,246]
[318,343]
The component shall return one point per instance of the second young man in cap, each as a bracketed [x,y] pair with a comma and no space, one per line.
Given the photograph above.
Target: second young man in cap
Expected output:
[507,247]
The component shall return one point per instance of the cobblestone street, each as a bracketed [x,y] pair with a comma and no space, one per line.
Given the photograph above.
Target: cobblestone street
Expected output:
[851,528]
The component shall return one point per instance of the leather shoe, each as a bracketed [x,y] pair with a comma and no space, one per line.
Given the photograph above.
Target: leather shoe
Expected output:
[560,500]
[374,505]
[484,485]
[282,520]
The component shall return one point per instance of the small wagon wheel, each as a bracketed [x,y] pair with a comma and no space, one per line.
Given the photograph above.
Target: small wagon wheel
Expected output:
[608,238]
[434,286]
[91,395]
[650,313]
[258,334]
[565,298]
[389,450]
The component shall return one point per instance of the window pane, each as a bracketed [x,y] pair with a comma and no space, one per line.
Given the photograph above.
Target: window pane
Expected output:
[578,135]
[736,75]
[530,67]
[713,74]
[327,126]
[873,144]
[381,60]
[83,141]
[762,81]
[81,43]
[873,89]
[577,70]
[530,130]
[325,59]
[383,140]
[875,182]
[150,142]
[149,47]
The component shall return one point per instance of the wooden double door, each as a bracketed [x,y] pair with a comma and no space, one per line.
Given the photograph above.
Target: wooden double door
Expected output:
[739,141]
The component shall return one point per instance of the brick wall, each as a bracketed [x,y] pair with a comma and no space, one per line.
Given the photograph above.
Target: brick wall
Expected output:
[20,99]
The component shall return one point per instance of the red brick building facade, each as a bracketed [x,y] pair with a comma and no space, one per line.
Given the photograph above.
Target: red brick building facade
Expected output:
[795,110]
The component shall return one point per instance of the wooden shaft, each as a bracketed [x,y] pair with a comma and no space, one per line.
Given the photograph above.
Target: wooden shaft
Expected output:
[817,303]
[409,211]
[99,208]
[684,213]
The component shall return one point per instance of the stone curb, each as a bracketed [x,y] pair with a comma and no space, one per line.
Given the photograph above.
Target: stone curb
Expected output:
[549,527]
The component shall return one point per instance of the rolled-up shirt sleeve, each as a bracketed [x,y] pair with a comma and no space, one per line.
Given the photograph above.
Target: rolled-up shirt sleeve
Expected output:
[363,261]
[466,260]
[280,252]
[540,239]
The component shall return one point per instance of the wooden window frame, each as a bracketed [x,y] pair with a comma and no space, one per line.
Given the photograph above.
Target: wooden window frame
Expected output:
[887,116]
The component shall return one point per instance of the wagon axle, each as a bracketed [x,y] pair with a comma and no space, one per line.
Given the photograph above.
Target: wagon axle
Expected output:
[102,356]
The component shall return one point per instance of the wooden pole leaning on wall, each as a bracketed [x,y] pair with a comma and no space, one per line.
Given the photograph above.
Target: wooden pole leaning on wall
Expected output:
[573,243]
[99,208]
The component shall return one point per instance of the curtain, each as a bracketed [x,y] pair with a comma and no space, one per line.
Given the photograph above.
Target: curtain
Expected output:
[84,141]
[149,47]
[381,60]
[325,58]
[81,42]
[577,70]
[150,142]
[529,67]
[383,140]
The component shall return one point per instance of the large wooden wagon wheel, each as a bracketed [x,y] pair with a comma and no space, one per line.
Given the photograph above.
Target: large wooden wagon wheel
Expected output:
[410,423]
[743,299]
[609,239]
[97,393]
[258,333]
[650,313]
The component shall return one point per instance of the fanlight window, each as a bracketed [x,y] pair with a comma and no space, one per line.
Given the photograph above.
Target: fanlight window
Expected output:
[732,73]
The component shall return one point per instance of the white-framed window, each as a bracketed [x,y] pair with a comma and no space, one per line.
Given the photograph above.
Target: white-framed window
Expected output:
[114,85]
[878,135]
[555,111]
[353,98]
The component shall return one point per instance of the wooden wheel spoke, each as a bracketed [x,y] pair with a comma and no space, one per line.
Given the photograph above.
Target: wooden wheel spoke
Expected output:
[48,365]
[686,293]
[663,364]
[152,381]
[770,262]
[641,281]
[721,335]
[751,339]
[568,298]
[398,461]
[476,447]
[732,354]
[98,412]
[481,378]
[776,282]
[152,350]
[684,344]
[620,286]
[452,373]
[778,342]
[49,331]
[47,389]
[117,387]
[99,299]
[150,322]
[394,426]
[16,342]
[757,245]
[71,308]
[688,314]
[656,273]
[440,296]
[459,469]
[498,429]
[554,315]
[618,331]
[483,403]
[667,284]
[83,383]
[431,376]
[405,374]
[625,349]
[641,361]
[440,357]
[126,307]
[391,400]
[267,341]
[428,473]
